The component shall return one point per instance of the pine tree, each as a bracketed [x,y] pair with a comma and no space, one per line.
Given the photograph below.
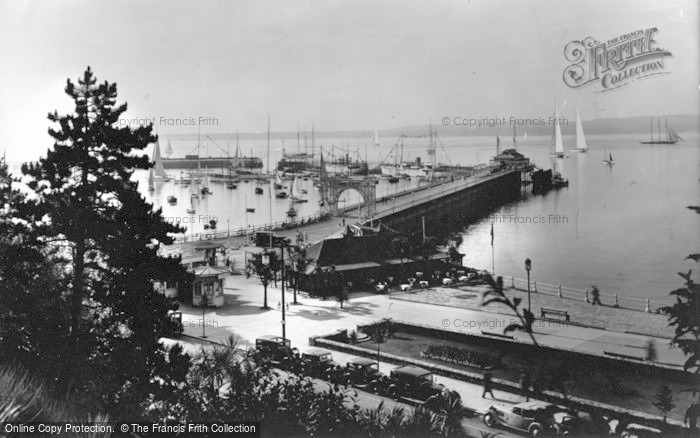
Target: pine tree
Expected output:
[664,400]
[88,208]
[33,317]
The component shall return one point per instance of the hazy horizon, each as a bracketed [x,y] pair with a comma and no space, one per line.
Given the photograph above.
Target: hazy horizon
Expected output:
[341,66]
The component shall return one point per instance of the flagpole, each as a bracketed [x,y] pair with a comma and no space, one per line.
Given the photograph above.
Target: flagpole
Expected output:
[493,257]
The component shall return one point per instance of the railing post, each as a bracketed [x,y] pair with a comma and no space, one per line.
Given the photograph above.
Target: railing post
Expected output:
[616,303]
[560,291]
[512,282]
[587,300]
[648,307]
[535,286]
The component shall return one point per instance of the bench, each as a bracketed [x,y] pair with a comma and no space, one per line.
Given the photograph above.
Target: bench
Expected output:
[561,314]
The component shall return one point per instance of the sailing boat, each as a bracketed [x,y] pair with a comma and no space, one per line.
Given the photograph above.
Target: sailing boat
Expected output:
[292,199]
[672,136]
[296,191]
[205,183]
[151,183]
[159,170]
[278,182]
[609,159]
[194,189]
[579,138]
[557,146]
[191,210]
[376,138]
[169,149]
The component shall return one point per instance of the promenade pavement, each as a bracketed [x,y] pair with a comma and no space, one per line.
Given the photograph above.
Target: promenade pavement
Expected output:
[242,317]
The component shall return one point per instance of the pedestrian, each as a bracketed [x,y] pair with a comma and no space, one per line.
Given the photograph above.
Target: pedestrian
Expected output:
[228,262]
[691,416]
[596,296]
[525,385]
[651,350]
[488,385]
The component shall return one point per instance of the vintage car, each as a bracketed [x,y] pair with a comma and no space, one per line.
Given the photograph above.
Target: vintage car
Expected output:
[580,424]
[535,418]
[414,383]
[363,374]
[275,351]
[319,363]
[175,327]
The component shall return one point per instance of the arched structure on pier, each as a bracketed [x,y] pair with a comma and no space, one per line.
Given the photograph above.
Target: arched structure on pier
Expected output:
[333,187]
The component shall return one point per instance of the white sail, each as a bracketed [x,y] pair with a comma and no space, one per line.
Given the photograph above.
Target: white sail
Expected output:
[376,138]
[205,181]
[160,172]
[169,149]
[293,188]
[151,184]
[673,135]
[580,138]
[557,144]
[297,188]
[194,189]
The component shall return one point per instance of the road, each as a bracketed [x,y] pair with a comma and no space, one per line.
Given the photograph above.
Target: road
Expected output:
[472,424]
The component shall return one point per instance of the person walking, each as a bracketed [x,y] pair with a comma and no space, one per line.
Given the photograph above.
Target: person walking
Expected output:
[525,385]
[596,296]
[488,385]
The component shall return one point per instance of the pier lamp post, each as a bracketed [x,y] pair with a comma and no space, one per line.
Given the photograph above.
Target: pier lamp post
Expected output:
[204,308]
[528,266]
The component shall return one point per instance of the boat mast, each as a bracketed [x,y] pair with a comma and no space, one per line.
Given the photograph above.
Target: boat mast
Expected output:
[313,148]
[268,143]
[298,142]
[658,127]
[667,136]
[651,128]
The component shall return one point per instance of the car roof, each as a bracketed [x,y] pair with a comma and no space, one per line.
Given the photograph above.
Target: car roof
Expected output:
[316,352]
[271,338]
[411,370]
[362,361]
[534,405]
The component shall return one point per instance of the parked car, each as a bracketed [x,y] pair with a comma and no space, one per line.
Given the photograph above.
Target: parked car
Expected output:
[176,328]
[415,383]
[535,418]
[319,363]
[363,374]
[580,424]
[275,350]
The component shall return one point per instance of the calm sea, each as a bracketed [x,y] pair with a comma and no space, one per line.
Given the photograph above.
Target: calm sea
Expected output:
[624,228]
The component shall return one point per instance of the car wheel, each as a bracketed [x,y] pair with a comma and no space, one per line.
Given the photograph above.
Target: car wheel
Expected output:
[535,431]
[489,420]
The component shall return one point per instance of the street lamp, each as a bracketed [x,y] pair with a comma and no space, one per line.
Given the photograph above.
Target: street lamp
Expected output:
[204,307]
[528,266]
[284,328]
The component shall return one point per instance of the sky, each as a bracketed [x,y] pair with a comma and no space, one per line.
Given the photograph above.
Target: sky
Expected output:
[343,65]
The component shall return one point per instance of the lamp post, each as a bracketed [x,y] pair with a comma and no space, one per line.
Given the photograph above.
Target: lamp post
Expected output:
[528,266]
[266,274]
[284,328]
[204,307]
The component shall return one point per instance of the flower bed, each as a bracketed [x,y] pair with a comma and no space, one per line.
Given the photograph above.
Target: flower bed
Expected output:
[461,356]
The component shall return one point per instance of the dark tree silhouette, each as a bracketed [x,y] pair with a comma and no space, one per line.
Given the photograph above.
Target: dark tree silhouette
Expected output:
[88,209]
